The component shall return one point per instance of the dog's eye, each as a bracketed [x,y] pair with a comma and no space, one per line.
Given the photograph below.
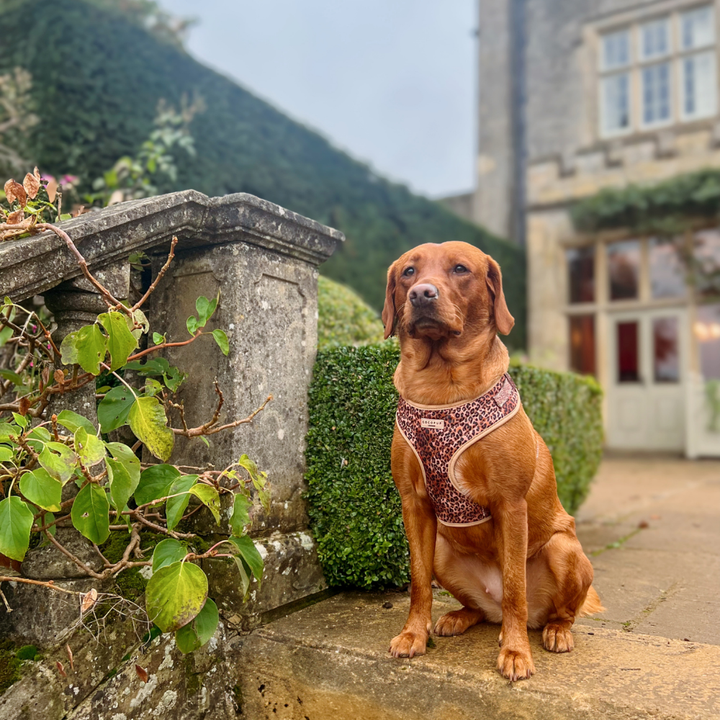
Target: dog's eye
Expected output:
[408,272]
[460,269]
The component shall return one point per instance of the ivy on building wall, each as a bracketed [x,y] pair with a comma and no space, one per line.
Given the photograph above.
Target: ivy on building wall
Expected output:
[667,208]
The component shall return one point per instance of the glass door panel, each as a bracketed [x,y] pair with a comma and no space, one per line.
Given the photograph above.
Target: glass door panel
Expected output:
[666,350]
[628,360]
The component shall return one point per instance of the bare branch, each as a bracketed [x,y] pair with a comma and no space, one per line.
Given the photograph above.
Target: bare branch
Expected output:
[208,429]
[155,282]
[111,301]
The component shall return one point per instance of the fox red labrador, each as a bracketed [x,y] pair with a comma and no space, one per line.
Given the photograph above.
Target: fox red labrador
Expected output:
[478,489]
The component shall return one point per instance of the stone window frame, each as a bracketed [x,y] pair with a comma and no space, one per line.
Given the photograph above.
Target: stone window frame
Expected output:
[632,20]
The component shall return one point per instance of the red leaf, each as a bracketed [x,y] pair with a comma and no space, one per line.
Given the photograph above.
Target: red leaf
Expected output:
[15,218]
[51,190]
[31,185]
[142,673]
[15,191]
[61,669]
[88,599]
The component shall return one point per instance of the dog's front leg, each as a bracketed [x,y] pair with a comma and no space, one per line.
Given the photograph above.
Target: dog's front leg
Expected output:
[515,659]
[420,528]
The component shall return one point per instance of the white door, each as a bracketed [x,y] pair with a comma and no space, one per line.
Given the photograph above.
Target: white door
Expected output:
[646,402]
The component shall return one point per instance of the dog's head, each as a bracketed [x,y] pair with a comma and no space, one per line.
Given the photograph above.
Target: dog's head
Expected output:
[440,291]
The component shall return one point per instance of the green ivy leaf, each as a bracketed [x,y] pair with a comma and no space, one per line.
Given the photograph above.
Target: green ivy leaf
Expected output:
[72,421]
[40,488]
[86,347]
[121,342]
[158,339]
[89,447]
[155,483]
[21,420]
[195,634]
[6,454]
[6,430]
[192,324]
[59,460]
[152,387]
[222,340]
[175,595]
[209,497]
[240,517]
[121,483]
[124,454]
[149,423]
[202,305]
[114,408]
[167,552]
[245,575]
[16,520]
[176,506]
[5,334]
[90,513]
[12,376]
[249,553]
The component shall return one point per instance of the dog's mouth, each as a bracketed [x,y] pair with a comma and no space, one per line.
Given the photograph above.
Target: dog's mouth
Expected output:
[432,327]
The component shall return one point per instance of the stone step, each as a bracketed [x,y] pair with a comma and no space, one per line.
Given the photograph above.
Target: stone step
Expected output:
[330,662]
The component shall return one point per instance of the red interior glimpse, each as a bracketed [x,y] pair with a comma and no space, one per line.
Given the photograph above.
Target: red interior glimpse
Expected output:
[627,349]
[582,344]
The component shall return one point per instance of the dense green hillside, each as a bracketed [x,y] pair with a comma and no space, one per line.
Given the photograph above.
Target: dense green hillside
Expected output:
[98,79]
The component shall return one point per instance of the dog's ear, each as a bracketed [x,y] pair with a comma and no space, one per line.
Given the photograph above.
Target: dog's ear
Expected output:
[504,321]
[388,313]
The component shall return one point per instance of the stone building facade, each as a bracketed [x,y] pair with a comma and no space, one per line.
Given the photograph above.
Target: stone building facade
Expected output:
[581,95]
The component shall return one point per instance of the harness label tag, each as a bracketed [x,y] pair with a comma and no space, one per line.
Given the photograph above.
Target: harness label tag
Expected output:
[503,395]
[432,423]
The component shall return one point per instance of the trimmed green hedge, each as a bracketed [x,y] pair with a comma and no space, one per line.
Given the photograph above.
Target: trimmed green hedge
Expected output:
[354,507]
[344,318]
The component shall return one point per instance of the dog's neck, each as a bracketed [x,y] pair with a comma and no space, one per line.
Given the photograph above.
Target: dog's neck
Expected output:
[449,370]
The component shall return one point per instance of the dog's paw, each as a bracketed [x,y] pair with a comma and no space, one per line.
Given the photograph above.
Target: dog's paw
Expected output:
[408,644]
[515,664]
[557,638]
[458,621]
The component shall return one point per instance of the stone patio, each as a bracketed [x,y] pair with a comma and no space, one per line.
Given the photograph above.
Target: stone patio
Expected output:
[652,529]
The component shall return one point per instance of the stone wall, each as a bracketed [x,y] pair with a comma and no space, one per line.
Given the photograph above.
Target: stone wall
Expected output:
[263,260]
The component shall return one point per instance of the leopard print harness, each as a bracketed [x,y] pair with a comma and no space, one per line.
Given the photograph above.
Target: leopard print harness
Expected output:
[438,435]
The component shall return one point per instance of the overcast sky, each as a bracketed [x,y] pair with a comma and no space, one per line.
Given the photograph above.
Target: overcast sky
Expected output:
[393,82]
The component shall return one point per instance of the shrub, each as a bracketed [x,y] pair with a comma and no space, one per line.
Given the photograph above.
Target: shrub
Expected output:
[354,507]
[344,318]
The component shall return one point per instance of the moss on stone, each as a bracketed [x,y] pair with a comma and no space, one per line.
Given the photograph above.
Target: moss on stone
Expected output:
[193,680]
[10,665]
[130,583]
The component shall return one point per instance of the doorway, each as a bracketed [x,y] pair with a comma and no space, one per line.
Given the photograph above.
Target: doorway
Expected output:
[648,357]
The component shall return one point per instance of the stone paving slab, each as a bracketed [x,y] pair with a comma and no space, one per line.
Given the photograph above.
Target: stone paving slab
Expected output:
[331,661]
[652,529]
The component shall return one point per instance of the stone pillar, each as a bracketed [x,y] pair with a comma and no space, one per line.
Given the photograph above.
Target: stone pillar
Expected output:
[268,307]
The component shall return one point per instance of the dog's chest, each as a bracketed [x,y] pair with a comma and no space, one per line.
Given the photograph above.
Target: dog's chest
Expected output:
[439,434]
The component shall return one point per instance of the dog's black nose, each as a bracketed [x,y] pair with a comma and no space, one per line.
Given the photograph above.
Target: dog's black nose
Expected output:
[422,294]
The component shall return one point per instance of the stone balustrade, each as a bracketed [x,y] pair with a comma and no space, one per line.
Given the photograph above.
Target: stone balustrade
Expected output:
[263,260]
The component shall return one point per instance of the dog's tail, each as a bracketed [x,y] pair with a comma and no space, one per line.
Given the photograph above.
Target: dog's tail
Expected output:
[592,603]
